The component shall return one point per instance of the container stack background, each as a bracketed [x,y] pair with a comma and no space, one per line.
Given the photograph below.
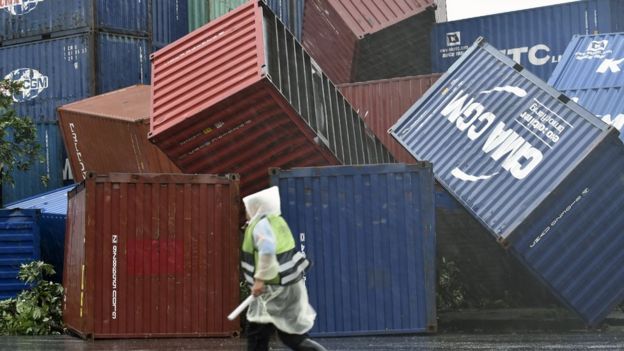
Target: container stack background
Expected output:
[306,95]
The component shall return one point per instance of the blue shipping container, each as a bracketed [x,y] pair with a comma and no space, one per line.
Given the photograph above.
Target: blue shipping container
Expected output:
[592,74]
[35,19]
[29,182]
[169,21]
[535,38]
[19,243]
[369,233]
[542,174]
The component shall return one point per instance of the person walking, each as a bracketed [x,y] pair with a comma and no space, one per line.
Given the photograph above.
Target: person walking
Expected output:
[274,269]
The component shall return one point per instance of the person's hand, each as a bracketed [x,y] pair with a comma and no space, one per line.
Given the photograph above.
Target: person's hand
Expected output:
[258,287]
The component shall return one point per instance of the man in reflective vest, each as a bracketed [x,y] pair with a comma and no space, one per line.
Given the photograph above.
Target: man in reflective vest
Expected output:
[274,269]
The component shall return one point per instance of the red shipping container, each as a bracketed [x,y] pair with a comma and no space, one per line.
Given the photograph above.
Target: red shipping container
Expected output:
[382,102]
[108,133]
[152,255]
[240,95]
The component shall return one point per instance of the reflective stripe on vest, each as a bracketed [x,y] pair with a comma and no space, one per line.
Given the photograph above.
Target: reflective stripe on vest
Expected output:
[292,263]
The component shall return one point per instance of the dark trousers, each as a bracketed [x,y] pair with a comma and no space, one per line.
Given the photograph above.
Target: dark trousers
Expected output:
[259,335]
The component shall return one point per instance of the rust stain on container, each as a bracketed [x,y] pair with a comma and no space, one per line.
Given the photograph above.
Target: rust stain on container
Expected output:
[241,95]
[108,133]
[152,255]
[382,102]
[369,16]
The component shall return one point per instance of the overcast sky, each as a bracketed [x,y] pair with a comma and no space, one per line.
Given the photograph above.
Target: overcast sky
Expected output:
[458,9]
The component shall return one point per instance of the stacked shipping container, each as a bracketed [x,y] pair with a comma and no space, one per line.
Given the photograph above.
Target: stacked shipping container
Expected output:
[533,168]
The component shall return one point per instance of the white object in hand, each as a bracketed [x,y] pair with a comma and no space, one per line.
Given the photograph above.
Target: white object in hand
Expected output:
[241,307]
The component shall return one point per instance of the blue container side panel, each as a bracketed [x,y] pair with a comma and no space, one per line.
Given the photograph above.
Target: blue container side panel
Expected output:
[472,154]
[52,202]
[369,233]
[54,72]
[535,38]
[573,242]
[606,103]
[122,61]
[28,183]
[169,21]
[35,18]
[19,243]
[290,12]
[53,243]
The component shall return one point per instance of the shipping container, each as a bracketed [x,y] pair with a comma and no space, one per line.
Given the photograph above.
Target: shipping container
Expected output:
[381,103]
[535,38]
[541,173]
[369,16]
[19,243]
[369,232]
[400,50]
[590,73]
[152,255]
[241,95]
[108,133]
[30,20]
[329,40]
[290,12]
[59,71]
[51,166]
[169,21]
[53,208]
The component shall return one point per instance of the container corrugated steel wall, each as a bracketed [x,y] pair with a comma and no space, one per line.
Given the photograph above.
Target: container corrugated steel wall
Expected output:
[19,243]
[108,133]
[591,74]
[152,255]
[329,40]
[28,183]
[264,104]
[63,70]
[198,14]
[218,8]
[369,232]
[400,50]
[369,16]
[169,21]
[505,144]
[381,103]
[51,202]
[536,38]
[38,18]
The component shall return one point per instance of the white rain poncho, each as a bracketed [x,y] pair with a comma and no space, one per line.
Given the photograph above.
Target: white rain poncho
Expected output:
[286,307]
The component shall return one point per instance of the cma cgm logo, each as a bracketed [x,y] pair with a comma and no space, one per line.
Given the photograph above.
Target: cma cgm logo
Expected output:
[19,7]
[33,83]
[502,144]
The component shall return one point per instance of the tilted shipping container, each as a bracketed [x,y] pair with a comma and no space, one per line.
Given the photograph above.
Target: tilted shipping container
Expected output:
[381,103]
[591,74]
[535,38]
[369,232]
[542,174]
[108,133]
[19,243]
[40,19]
[241,95]
[152,255]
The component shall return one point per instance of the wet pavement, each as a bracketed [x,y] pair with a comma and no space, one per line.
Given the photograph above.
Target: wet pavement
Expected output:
[583,340]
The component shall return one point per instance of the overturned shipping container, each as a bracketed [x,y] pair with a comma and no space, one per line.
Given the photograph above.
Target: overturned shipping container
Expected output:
[381,103]
[152,255]
[535,38]
[591,73]
[369,232]
[542,174]
[108,133]
[241,95]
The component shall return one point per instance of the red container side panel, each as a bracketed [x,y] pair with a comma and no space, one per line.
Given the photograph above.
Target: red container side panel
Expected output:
[369,16]
[234,136]
[162,255]
[73,267]
[329,40]
[207,65]
[381,103]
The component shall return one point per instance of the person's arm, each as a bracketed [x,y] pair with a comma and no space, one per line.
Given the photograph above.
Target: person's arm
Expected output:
[267,267]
